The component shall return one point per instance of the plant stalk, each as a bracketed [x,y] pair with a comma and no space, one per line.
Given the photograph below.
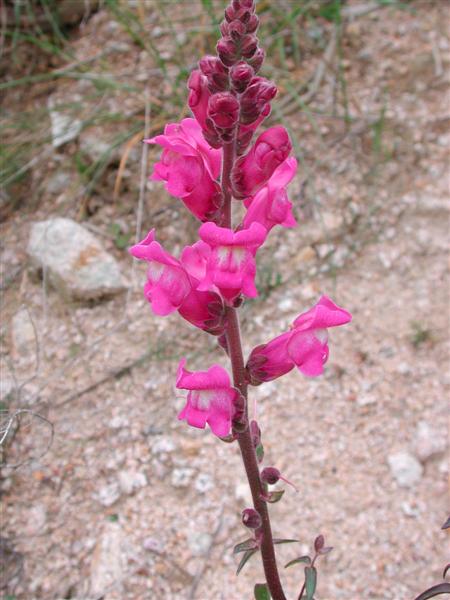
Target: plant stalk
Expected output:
[244,438]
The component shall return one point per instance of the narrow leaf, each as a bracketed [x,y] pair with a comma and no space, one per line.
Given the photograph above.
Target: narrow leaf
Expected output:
[246,556]
[249,544]
[259,452]
[261,592]
[325,549]
[441,588]
[311,582]
[283,541]
[273,497]
[446,525]
[300,559]
[447,567]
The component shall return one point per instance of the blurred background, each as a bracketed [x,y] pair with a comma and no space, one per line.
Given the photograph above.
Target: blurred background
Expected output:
[104,493]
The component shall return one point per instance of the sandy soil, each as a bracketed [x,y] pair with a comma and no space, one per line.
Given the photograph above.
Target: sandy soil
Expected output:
[129,503]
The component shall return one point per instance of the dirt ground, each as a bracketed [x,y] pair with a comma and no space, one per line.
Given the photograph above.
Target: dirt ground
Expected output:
[128,502]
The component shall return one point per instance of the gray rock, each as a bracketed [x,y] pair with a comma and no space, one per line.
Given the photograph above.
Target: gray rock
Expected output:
[163,445]
[58,183]
[95,148]
[181,477]
[108,563]
[75,262]
[63,125]
[405,468]
[204,483]
[131,481]
[108,494]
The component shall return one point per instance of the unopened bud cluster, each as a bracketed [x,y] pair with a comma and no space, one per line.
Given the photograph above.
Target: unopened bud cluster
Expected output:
[227,97]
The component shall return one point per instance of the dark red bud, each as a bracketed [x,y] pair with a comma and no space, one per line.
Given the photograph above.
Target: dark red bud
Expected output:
[270,475]
[223,110]
[249,44]
[257,59]
[230,13]
[241,74]
[227,51]
[252,24]
[236,30]
[319,543]
[251,518]
[224,28]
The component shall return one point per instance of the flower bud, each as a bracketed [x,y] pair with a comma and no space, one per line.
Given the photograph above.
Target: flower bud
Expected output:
[254,99]
[257,59]
[227,51]
[224,28]
[223,110]
[249,44]
[215,72]
[252,24]
[236,30]
[251,518]
[270,475]
[241,74]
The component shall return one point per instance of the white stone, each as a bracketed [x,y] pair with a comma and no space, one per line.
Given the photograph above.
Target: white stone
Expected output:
[199,542]
[108,494]
[405,468]
[163,445]
[108,564]
[75,262]
[366,399]
[204,483]
[58,183]
[181,477]
[64,127]
[95,147]
[286,304]
[429,442]
[131,481]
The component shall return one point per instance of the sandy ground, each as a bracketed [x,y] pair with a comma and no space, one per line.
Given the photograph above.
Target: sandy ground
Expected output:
[129,503]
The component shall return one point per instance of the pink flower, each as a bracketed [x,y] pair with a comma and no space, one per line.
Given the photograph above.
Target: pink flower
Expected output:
[308,344]
[210,399]
[171,286]
[253,170]
[271,206]
[230,268]
[189,166]
[304,346]
[168,282]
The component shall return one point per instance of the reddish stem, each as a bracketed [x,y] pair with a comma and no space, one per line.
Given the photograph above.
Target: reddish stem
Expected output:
[244,438]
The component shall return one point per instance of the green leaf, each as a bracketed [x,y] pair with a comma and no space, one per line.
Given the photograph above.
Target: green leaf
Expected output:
[284,540]
[300,559]
[441,588]
[273,497]
[247,555]
[261,592]
[248,544]
[259,452]
[311,582]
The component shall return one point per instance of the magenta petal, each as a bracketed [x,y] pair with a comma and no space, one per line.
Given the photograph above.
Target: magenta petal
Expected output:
[308,352]
[323,315]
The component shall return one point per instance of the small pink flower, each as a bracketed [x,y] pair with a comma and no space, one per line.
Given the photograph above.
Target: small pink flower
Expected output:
[189,166]
[230,268]
[211,398]
[252,171]
[271,206]
[168,282]
[172,286]
[304,346]
[308,344]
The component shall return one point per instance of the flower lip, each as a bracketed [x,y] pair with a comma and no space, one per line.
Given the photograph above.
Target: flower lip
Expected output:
[323,315]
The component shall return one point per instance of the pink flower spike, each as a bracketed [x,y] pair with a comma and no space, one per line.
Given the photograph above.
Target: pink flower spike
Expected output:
[253,170]
[210,399]
[199,95]
[271,206]
[168,283]
[308,344]
[231,266]
[189,166]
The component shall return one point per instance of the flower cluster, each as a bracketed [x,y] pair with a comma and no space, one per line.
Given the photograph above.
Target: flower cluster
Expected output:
[229,101]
